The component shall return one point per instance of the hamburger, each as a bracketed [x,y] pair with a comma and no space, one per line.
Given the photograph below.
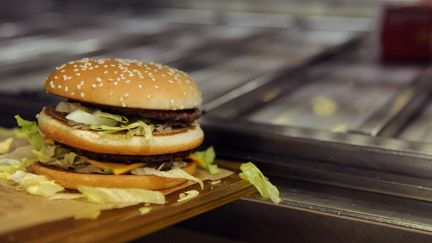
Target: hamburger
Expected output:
[122,124]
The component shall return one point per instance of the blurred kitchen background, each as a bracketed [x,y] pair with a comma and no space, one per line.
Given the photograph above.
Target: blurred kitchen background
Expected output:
[333,92]
[224,45]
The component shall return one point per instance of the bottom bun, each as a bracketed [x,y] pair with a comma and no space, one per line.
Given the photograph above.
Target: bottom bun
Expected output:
[72,180]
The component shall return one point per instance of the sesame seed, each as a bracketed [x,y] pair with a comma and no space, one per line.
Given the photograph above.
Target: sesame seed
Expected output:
[111,93]
[62,71]
[59,86]
[72,93]
[170,81]
[116,72]
[100,85]
[61,67]
[127,81]
[77,74]
[55,77]
[156,86]
[172,102]
[66,89]
[93,86]
[123,104]
[98,79]
[82,94]
[52,84]
[140,86]
[126,95]
[149,96]
[115,83]
[105,72]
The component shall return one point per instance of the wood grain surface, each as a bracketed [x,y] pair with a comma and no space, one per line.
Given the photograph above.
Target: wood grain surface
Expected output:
[127,223]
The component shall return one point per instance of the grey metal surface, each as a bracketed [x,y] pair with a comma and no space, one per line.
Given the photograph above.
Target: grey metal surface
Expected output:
[344,93]
[362,151]
[312,213]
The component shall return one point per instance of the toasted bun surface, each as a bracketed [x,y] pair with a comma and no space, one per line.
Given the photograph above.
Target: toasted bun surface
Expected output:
[118,144]
[124,83]
[72,180]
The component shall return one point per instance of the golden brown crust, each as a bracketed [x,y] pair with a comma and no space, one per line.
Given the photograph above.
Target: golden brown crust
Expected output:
[118,144]
[72,180]
[124,83]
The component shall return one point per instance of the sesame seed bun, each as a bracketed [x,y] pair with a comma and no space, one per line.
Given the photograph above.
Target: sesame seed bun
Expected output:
[124,83]
[72,180]
[118,144]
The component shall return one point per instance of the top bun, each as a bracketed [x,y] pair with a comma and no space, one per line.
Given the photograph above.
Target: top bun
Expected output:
[124,83]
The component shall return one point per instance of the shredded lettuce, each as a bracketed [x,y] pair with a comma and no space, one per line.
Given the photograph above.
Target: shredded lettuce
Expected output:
[5,145]
[144,210]
[253,175]
[36,184]
[138,128]
[118,195]
[67,196]
[187,195]
[117,118]
[90,119]
[45,150]
[69,158]
[18,159]
[68,107]
[206,160]
[173,173]
[80,116]
[29,130]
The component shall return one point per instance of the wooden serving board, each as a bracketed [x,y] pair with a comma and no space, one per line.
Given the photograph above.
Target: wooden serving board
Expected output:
[127,223]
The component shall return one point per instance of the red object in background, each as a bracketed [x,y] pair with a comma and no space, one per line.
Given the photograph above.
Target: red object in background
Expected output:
[406,32]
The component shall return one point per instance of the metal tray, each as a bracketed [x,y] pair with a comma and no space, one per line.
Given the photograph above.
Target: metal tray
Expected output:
[314,124]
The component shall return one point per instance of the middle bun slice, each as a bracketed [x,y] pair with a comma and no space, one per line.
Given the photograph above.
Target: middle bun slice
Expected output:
[187,139]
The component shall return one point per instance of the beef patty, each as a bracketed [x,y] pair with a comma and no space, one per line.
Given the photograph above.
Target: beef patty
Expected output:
[129,159]
[183,116]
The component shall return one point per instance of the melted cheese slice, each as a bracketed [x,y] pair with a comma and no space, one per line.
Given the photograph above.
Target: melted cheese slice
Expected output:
[117,168]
